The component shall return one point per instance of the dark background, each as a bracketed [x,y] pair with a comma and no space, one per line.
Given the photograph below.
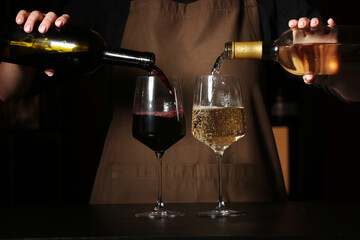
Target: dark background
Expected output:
[54,161]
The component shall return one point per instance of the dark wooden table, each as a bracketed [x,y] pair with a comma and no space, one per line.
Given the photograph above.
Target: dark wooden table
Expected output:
[293,220]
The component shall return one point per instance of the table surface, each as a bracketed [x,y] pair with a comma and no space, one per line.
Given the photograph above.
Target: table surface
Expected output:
[291,220]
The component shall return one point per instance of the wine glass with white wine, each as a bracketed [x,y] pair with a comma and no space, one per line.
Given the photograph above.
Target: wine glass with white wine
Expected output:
[218,120]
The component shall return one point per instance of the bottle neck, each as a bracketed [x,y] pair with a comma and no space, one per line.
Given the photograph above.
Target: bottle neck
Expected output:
[122,56]
[251,50]
[270,51]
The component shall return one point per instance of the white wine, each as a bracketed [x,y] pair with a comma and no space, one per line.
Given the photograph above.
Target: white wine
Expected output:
[218,127]
[318,59]
[337,51]
[71,48]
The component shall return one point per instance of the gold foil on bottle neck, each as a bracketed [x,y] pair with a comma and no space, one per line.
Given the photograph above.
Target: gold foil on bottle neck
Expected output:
[247,50]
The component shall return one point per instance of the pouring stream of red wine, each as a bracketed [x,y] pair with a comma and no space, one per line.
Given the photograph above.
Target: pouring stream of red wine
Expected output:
[156,71]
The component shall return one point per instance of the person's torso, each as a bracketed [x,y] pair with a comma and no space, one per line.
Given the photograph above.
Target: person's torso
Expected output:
[187,39]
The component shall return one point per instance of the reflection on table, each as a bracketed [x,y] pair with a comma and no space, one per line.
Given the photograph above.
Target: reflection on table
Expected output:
[292,220]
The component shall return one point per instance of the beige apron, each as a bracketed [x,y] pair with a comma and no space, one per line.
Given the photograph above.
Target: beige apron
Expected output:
[187,39]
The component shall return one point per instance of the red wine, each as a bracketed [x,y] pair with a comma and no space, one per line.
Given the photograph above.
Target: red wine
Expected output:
[81,62]
[156,71]
[71,49]
[158,130]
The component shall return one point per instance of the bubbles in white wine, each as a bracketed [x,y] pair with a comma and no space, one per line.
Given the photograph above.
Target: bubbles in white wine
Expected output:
[218,127]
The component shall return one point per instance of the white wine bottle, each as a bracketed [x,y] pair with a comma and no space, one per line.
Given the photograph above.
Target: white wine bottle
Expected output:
[74,49]
[326,51]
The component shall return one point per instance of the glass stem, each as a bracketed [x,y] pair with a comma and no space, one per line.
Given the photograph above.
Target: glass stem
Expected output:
[219,156]
[159,203]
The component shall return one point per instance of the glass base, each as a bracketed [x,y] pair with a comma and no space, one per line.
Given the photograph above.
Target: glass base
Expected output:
[159,214]
[221,213]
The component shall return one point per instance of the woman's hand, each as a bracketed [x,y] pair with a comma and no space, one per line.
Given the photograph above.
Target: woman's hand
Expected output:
[46,20]
[310,31]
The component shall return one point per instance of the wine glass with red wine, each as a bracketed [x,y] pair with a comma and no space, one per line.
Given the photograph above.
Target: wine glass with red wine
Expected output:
[158,122]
